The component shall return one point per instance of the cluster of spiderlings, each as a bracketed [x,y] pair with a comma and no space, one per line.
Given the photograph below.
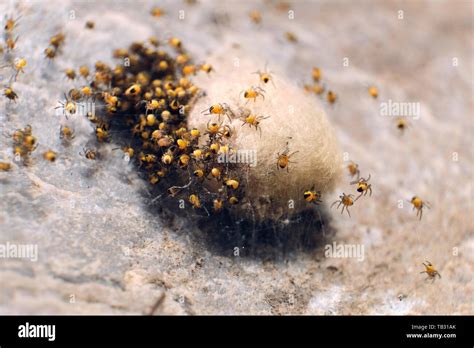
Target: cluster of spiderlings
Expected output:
[24,143]
[318,88]
[55,44]
[9,34]
[145,100]
[9,59]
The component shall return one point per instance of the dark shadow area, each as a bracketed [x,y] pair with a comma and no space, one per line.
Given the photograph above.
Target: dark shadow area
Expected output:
[227,235]
[267,240]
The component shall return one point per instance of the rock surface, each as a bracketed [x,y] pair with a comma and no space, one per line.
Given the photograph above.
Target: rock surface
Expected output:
[103,249]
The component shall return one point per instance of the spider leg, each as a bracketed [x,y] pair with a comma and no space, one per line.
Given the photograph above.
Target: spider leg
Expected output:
[348,212]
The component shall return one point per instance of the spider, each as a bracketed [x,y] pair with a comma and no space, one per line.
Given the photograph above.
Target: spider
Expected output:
[265,76]
[220,109]
[254,121]
[312,196]
[430,271]
[419,204]
[353,169]
[252,93]
[346,201]
[212,128]
[363,186]
[284,159]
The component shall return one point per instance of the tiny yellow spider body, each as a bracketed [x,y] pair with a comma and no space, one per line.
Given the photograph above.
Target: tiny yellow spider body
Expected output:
[50,156]
[312,196]
[220,109]
[419,204]
[373,92]
[253,121]
[283,159]
[346,201]
[363,186]
[252,93]
[353,169]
